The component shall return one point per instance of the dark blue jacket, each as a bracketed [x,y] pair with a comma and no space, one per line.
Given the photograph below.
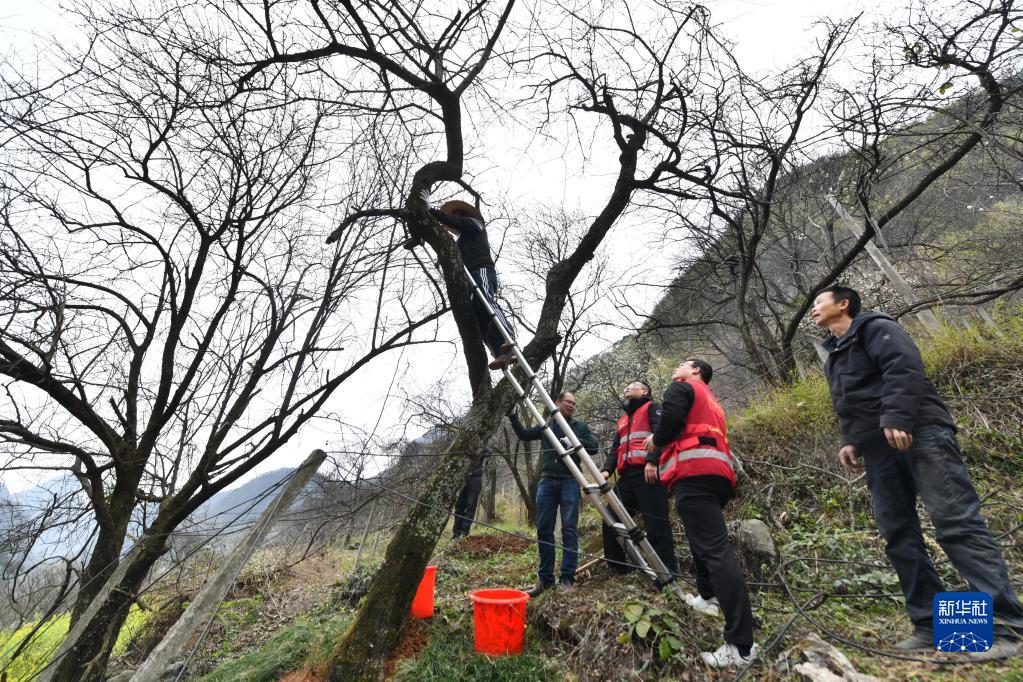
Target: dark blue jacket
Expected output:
[472,238]
[877,380]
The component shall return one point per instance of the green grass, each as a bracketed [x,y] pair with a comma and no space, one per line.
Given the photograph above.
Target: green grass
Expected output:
[800,408]
[450,656]
[46,641]
[301,643]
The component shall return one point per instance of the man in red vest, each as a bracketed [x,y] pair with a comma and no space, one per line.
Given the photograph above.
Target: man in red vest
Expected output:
[628,456]
[696,466]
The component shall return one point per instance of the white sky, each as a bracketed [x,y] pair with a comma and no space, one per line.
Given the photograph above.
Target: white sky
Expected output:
[768,33]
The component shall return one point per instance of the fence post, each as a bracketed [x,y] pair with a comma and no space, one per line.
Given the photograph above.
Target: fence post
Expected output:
[365,532]
[928,317]
[212,594]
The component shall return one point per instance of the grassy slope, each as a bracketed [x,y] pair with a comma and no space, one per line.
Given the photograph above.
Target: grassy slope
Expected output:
[28,664]
[789,441]
[614,628]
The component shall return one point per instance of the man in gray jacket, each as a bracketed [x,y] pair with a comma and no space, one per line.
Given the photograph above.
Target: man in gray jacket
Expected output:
[895,424]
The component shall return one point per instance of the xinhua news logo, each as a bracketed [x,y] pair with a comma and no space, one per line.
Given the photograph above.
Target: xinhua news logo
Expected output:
[963,622]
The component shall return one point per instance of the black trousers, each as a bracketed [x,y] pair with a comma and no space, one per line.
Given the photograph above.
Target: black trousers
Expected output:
[699,501]
[933,470]
[651,500]
[486,279]
[465,505]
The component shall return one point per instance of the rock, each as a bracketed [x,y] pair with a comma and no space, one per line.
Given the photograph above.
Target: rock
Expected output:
[755,547]
[808,672]
[825,663]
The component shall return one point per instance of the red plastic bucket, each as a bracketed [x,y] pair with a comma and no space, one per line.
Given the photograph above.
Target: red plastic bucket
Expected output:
[422,605]
[499,617]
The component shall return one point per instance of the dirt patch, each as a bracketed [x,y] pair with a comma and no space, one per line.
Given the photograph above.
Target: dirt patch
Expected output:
[413,640]
[480,546]
[303,675]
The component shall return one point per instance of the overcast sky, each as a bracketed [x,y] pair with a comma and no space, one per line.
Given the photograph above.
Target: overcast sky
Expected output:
[768,33]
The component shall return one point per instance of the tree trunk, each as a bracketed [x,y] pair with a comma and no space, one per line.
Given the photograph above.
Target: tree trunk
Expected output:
[86,659]
[365,647]
[526,488]
[490,508]
[113,529]
[102,562]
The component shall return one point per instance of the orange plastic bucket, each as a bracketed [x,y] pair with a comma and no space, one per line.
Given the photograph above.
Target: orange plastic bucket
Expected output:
[422,605]
[499,617]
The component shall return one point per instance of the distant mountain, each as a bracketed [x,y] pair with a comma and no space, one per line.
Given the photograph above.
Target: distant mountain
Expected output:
[248,499]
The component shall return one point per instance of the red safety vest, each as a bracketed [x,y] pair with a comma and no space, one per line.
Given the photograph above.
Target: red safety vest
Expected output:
[702,447]
[631,435]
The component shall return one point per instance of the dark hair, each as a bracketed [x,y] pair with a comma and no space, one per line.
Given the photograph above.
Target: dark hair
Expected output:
[839,293]
[649,391]
[706,371]
[561,396]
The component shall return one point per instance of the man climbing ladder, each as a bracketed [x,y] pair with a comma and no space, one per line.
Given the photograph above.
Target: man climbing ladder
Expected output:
[464,220]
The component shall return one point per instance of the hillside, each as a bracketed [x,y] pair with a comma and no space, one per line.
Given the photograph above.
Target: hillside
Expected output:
[947,243]
[832,577]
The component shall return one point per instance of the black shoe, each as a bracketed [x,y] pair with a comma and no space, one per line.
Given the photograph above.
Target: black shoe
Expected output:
[920,640]
[566,585]
[535,590]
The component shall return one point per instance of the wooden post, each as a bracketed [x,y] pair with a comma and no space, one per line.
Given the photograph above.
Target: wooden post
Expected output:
[822,352]
[928,317]
[376,541]
[206,603]
[369,522]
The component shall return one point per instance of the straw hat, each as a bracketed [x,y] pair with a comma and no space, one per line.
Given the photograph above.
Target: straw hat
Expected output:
[450,207]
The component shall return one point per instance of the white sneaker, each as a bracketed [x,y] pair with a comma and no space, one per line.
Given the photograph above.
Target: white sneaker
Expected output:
[727,656]
[704,607]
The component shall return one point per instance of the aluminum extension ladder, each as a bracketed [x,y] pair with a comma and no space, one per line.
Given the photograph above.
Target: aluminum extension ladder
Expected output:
[632,538]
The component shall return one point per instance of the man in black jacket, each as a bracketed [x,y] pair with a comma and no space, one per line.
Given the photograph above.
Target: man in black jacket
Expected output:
[628,456]
[893,419]
[557,491]
[464,220]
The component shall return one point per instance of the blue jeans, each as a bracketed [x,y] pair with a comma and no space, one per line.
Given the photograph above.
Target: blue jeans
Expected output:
[933,469]
[552,494]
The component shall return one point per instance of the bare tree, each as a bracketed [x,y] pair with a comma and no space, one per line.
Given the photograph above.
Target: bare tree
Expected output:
[424,63]
[771,151]
[170,318]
